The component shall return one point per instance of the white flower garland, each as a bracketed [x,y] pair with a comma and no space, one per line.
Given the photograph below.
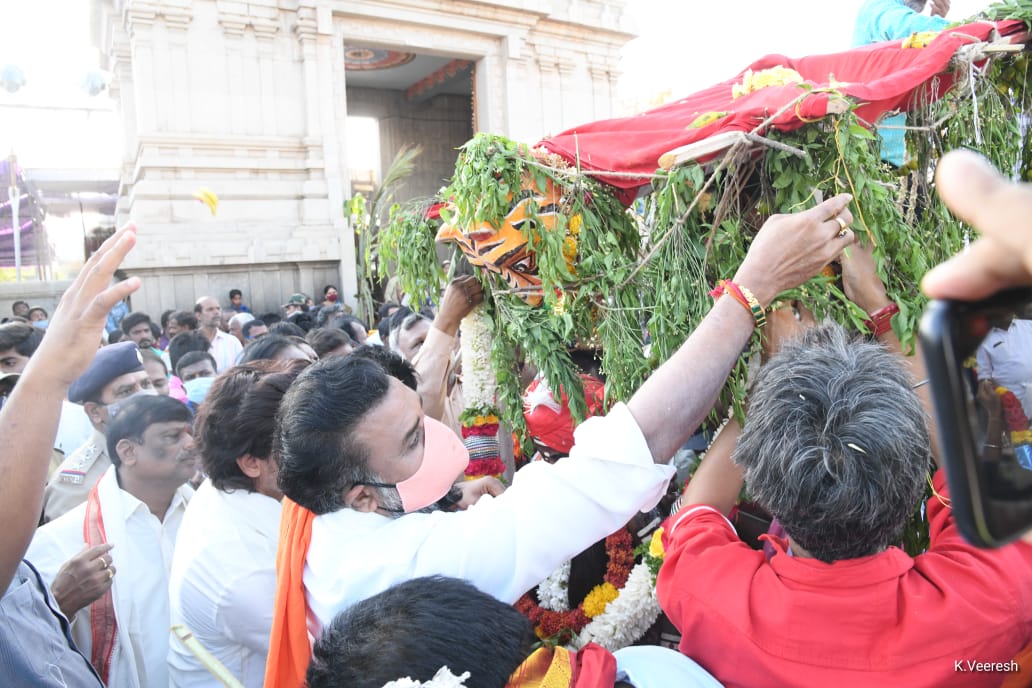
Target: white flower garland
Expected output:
[626,618]
[444,678]
[553,593]
[478,379]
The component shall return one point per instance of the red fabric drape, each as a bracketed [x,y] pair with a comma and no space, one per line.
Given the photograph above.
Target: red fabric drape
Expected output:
[883,77]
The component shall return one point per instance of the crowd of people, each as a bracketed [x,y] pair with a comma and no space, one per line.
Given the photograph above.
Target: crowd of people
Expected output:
[305,520]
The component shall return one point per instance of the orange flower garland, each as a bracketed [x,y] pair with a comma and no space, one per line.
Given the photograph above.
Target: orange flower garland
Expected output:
[561,627]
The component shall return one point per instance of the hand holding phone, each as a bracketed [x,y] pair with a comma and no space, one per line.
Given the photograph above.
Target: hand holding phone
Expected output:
[979,361]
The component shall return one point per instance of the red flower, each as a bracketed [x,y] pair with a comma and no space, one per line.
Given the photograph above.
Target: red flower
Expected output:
[562,626]
[1013,414]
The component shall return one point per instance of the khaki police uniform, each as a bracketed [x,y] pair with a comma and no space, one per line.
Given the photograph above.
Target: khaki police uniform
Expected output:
[75,477]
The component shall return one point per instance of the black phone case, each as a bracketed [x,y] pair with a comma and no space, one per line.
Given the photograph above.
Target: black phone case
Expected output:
[939,338]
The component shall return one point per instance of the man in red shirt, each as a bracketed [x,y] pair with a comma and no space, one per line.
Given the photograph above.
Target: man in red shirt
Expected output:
[836,446]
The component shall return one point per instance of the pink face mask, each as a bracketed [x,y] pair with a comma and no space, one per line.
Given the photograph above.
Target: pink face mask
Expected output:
[444,459]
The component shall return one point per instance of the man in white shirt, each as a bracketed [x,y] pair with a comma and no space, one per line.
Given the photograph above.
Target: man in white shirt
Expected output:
[1005,357]
[224,346]
[115,375]
[137,507]
[224,570]
[353,458]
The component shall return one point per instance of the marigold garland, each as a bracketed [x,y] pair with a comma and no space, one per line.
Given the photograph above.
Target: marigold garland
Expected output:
[1015,418]
[596,601]
[561,626]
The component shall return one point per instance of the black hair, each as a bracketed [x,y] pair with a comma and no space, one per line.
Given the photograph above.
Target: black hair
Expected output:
[193,357]
[325,340]
[394,363]
[184,319]
[327,288]
[132,320]
[237,418]
[413,629]
[270,319]
[185,342]
[115,336]
[139,413]
[385,310]
[21,337]
[235,292]
[19,303]
[287,328]
[303,320]
[41,309]
[245,329]
[164,317]
[348,323]
[387,324]
[319,460]
[265,348]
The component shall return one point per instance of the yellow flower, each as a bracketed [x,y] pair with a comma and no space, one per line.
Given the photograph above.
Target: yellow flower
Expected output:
[919,40]
[484,420]
[656,545]
[775,76]
[569,249]
[575,225]
[599,598]
[706,118]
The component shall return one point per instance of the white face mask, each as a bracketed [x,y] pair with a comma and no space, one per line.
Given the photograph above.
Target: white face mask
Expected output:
[197,388]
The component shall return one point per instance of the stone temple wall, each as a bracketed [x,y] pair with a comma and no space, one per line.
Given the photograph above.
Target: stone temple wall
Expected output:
[249,98]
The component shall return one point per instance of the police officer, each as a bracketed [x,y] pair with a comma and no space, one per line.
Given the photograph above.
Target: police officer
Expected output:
[115,374]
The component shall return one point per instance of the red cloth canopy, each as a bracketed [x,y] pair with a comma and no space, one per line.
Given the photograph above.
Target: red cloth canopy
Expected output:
[882,76]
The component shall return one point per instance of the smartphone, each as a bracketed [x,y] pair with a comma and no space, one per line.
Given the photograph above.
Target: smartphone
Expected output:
[979,361]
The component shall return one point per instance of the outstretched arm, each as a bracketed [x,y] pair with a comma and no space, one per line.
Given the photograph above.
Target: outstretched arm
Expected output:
[431,362]
[864,288]
[28,421]
[786,252]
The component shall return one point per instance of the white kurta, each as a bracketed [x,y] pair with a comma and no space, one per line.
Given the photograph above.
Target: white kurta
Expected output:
[223,583]
[142,556]
[504,545]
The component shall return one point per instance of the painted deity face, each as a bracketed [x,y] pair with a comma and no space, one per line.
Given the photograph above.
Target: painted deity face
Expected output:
[504,250]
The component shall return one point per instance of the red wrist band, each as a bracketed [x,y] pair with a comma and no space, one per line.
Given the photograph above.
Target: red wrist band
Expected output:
[880,321]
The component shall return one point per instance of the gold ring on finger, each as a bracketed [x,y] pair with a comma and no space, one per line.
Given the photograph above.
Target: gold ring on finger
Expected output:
[110,573]
[103,563]
[841,223]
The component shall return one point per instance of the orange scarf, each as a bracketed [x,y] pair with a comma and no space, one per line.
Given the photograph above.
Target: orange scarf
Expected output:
[289,647]
[556,667]
[103,626]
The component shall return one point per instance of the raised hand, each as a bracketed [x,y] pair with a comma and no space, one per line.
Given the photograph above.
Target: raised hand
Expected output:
[1001,211]
[462,295]
[76,326]
[790,249]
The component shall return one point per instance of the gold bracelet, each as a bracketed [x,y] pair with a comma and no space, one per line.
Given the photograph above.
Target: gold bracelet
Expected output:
[754,307]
